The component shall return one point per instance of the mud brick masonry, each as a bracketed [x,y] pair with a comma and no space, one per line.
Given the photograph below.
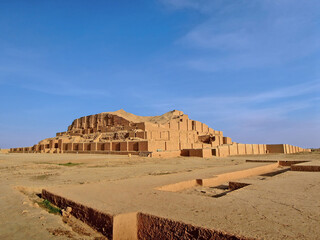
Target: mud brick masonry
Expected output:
[169,135]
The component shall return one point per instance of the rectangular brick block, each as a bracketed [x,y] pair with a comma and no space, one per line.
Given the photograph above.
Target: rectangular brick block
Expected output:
[143,146]
[133,146]
[115,146]
[226,140]
[123,146]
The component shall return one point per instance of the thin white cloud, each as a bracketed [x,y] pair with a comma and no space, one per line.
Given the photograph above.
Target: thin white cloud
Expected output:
[263,97]
[267,33]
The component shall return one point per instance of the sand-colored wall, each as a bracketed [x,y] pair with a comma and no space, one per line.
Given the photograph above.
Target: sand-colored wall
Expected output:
[101,222]
[183,125]
[171,145]
[124,146]
[223,151]
[152,227]
[133,146]
[233,149]
[141,135]
[5,150]
[115,146]
[143,146]
[204,153]
[227,140]
[168,154]
[239,149]
[185,146]
[107,146]
[276,148]
[249,149]
[255,149]
[100,146]
[154,146]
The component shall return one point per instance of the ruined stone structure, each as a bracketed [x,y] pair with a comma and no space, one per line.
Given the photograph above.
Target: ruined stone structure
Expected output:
[169,135]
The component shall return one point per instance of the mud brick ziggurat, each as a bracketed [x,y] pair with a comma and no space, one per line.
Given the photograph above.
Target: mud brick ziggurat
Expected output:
[169,135]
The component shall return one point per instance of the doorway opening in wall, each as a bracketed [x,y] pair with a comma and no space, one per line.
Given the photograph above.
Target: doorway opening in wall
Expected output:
[214,152]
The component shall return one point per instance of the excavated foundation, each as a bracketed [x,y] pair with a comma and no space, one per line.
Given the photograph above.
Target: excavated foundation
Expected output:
[301,166]
[152,227]
[220,179]
[100,221]
[305,168]
[140,225]
[136,225]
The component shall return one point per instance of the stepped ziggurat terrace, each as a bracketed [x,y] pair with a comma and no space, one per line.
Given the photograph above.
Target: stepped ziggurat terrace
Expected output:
[169,135]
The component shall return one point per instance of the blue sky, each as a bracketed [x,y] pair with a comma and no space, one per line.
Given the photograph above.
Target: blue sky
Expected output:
[248,68]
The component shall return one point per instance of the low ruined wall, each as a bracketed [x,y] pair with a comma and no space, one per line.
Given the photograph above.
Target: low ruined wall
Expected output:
[100,221]
[239,149]
[289,163]
[248,149]
[175,187]
[152,227]
[219,179]
[236,185]
[284,148]
[204,153]
[305,168]
[136,225]
[224,177]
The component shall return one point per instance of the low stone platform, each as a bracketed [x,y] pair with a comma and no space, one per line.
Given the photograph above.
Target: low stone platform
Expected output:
[279,206]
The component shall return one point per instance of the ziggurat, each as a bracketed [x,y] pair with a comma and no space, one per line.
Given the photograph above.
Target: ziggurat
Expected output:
[169,135]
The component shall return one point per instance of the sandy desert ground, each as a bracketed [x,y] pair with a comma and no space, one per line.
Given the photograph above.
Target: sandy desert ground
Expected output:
[283,206]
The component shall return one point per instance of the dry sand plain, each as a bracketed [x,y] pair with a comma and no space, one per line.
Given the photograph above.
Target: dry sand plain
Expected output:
[283,206]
